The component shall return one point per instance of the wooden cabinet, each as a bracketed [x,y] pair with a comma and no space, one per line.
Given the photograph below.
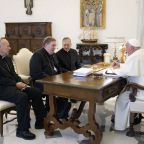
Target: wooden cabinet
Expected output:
[91,53]
[27,35]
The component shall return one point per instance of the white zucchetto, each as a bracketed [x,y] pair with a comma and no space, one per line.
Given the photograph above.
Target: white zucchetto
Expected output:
[134,42]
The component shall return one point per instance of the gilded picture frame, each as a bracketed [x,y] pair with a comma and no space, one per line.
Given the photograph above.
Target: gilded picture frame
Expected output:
[93,14]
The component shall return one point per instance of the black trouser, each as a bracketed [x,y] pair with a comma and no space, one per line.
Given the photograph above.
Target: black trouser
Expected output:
[22,99]
[63,106]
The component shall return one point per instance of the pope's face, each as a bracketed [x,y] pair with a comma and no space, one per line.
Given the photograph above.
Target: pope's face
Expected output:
[129,49]
[66,44]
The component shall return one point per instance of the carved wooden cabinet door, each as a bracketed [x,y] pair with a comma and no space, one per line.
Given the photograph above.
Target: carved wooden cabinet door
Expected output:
[24,43]
[25,30]
[12,30]
[91,53]
[36,44]
[27,35]
[14,46]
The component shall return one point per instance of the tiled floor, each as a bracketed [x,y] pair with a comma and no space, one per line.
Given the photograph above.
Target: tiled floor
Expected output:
[68,136]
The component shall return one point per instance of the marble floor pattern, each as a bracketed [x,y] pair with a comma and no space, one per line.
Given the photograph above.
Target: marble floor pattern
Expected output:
[68,136]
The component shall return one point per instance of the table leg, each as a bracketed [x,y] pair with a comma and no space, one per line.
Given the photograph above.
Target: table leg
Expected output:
[96,133]
[90,130]
[48,125]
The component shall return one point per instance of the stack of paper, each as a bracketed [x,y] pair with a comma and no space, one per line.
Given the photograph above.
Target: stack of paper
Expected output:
[83,72]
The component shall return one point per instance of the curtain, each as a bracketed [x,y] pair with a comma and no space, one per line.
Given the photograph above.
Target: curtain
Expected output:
[140,26]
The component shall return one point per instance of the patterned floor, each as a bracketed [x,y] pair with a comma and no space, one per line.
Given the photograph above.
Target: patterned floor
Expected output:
[68,136]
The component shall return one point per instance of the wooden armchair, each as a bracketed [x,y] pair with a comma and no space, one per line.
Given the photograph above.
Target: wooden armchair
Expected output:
[136,106]
[5,107]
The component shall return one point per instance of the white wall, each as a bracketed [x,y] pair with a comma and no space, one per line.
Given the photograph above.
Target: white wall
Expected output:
[121,17]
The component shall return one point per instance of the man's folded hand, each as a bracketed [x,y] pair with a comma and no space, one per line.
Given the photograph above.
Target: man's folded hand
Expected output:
[20,85]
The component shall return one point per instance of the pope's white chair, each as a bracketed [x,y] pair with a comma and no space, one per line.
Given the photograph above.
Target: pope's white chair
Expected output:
[21,62]
[5,107]
[136,105]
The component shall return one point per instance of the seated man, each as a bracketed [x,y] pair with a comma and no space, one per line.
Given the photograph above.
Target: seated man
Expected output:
[44,63]
[12,89]
[68,57]
[134,69]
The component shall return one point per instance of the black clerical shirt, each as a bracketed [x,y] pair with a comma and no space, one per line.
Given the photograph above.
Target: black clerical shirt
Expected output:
[68,61]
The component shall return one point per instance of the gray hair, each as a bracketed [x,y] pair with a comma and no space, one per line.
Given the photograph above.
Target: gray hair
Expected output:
[1,38]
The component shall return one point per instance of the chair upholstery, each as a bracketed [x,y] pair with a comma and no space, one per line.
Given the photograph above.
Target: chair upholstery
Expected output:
[137,106]
[5,107]
[21,62]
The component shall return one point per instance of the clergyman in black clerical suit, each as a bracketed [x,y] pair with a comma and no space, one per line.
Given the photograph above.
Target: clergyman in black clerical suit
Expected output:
[44,63]
[13,89]
[67,57]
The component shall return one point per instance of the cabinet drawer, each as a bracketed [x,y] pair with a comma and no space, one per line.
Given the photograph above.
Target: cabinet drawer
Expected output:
[36,44]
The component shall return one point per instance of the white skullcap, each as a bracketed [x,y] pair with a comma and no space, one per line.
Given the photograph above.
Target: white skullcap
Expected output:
[134,42]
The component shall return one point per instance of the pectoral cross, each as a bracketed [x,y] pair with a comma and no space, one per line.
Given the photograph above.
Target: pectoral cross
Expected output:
[28,6]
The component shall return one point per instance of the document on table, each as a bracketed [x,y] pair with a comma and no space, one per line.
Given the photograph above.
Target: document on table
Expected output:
[83,72]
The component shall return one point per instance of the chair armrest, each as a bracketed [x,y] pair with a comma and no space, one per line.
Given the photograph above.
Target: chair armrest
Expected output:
[134,88]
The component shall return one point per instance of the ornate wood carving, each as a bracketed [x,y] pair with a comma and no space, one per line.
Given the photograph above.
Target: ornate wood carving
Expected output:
[91,53]
[28,35]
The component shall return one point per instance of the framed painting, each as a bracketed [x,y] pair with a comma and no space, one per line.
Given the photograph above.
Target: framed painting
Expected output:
[92,13]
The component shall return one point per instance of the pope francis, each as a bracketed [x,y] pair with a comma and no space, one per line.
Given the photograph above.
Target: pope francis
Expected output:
[134,69]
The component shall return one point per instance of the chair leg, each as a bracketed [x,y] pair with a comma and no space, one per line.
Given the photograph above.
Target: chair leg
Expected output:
[6,115]
[131,132]
[1,124]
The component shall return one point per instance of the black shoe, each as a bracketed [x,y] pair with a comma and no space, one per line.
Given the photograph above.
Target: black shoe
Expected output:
[137,119]
[73,101]
[27,135]
[39,125]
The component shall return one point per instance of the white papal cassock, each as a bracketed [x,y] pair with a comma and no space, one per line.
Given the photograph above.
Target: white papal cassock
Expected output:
[134,69]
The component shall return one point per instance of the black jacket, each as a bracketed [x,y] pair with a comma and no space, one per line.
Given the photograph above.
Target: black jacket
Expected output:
[43,64]
[68,61]
[8,77]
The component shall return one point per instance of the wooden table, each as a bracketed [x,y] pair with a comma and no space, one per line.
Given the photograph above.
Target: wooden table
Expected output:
[84,89]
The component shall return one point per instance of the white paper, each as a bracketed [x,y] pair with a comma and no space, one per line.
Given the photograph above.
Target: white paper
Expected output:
[83,72]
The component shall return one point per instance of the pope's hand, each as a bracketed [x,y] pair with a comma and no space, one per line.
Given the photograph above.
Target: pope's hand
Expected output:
[20,85]
[115,65]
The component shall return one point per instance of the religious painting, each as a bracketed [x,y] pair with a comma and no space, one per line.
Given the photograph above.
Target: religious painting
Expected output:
[93,13]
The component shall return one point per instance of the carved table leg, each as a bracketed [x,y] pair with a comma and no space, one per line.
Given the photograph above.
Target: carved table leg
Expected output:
[96,133]
[49,130]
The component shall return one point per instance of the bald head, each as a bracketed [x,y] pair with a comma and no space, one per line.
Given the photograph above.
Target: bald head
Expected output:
[4,47]
[132,45]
